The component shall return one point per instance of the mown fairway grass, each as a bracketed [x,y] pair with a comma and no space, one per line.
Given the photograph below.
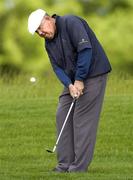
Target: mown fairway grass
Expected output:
[27,128]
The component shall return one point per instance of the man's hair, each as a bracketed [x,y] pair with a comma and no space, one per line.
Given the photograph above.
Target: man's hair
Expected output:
[47,14]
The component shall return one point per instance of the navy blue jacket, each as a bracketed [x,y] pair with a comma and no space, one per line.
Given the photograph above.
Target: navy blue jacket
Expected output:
[72,37]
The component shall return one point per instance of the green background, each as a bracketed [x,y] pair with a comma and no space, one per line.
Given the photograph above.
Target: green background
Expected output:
[111,20]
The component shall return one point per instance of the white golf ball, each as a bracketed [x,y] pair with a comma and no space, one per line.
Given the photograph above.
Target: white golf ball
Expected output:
[32,79]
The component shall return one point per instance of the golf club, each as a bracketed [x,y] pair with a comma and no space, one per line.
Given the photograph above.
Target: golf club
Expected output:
[52,151]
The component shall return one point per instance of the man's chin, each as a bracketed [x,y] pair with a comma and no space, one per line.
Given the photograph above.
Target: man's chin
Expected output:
[51,36]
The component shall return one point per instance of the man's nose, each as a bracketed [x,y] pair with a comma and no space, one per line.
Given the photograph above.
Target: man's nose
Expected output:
[40,32]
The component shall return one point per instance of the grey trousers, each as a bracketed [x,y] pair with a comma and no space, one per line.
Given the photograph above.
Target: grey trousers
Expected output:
[76,146]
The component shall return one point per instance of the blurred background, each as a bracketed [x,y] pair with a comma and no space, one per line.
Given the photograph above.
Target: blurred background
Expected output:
[21,52]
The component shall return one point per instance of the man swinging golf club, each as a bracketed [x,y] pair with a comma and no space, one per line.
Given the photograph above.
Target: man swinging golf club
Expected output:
[81,64]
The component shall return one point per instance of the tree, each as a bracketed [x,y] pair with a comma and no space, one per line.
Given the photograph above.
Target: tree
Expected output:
[103,7]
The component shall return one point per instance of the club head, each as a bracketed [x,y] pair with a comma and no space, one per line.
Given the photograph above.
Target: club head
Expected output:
[49,151]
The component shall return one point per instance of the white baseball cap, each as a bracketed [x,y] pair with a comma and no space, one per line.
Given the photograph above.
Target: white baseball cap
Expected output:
[35,19]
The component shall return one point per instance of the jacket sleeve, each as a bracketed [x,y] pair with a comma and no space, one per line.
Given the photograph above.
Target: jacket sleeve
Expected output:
[83,64]
[60,73]
[62,76]
[82,44]
[77,33]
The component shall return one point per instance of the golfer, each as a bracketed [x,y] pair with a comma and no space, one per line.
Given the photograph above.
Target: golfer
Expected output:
[81,64]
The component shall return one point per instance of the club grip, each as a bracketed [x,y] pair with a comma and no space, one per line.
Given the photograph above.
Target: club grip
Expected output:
[74,99]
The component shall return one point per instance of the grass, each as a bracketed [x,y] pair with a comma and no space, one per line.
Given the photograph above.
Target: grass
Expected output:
[27,128]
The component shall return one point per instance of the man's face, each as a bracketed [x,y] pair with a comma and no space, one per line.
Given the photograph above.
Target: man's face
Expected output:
[47,28]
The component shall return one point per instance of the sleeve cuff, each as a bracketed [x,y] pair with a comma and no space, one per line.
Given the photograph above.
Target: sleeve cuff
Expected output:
[79,79]
[67,84]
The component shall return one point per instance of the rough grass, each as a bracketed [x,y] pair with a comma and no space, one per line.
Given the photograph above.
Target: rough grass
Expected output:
[27,128]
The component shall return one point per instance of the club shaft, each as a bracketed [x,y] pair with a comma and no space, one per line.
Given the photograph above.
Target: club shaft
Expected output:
[63,125]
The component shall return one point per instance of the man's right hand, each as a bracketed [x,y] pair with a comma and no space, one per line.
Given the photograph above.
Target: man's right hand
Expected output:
[73,91]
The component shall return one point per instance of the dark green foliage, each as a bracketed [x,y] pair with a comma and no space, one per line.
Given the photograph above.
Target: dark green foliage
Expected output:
[103,7]
[110,19]
[9,70]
